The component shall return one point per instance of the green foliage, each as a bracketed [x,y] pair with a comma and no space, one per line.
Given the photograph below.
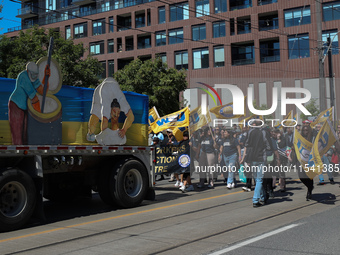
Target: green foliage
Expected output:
[153,78]
[312,108]
[262,107]
[33,43]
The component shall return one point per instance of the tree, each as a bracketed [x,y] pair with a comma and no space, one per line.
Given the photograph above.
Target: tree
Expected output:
[33,43]
[153,78]
[312,108]
[261,108]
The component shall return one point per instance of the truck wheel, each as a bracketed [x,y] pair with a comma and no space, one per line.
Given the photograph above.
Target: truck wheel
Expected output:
[17,199]
[129,183]
[104,187]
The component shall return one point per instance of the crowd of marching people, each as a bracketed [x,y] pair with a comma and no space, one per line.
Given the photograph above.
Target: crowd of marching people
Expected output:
[260,155]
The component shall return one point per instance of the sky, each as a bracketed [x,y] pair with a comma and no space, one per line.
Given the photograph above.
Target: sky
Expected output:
[9,11]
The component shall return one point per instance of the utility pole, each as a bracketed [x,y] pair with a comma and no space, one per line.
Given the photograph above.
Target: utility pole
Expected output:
[330,71]
[322,94]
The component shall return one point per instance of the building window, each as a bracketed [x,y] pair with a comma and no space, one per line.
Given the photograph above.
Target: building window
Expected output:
[218,56]
[242,54]
[268,22]
[331,11]
[181,60]
[110,46]
[333,35]
[140,20]
[102,75]
[232,26]
[297,16]
[105,6]
[264,2]
[298,46]
[51,5]
[119,4]
[176,36]
[143,42]
[124,23]
[162,56]
[111,67]
[239,4]
[98,27]
[243,25]
[160,38]
[80,30]
[200,58]
[161,15]
[111,24]
[97,48]
[129,43]
[198,32]
[67,32]
[202,8]
[219,29]
[220,6]
[179,11]
[270,51]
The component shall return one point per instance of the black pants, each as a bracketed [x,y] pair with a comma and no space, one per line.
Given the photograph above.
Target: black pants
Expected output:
[305,179]
[249,177]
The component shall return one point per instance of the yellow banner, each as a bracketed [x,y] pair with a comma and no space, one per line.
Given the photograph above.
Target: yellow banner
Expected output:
[176,119]
[312,162]
[323,116]
[153,115]
[289,116]
[198,120]
[303,149]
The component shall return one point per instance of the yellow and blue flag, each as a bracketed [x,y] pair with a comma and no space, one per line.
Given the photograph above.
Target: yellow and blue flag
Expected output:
[303,148]
[198,120]
[323,116]
[176,119]
[153,115]
[226,111]
[310,155]
[289,116]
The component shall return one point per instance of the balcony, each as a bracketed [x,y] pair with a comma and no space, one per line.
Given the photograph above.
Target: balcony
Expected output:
[83,2]
[27,12]
[264,2]
[268,21]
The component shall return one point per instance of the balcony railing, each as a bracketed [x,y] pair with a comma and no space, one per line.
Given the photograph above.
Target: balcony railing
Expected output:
[268,59]
[239,62]
[264,2]
[268,24]
[43,21]
[27,12]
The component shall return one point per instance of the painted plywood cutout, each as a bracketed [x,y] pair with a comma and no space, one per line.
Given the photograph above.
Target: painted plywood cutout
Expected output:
[107,103]
[28,124]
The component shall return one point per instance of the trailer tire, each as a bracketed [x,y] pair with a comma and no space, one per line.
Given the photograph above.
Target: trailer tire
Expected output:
[129,183]
[17,199]
[104,187]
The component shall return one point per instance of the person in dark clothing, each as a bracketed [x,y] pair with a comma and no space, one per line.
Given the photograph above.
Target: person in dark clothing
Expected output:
[272,160]
[206,148]
[281,145]
[255,155]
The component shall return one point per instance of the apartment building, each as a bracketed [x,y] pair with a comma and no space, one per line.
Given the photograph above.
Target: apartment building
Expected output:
[252,43]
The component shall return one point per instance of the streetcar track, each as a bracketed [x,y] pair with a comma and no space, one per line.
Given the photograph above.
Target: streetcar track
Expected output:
[169,217]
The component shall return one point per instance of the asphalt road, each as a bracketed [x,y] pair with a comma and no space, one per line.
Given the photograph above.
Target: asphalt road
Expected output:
[208,221]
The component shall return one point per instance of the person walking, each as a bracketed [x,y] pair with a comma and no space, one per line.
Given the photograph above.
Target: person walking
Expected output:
[206,147]
[254,155]
[231,151]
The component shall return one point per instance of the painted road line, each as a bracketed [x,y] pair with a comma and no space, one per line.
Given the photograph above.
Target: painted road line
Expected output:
[119,216]
[255,239]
